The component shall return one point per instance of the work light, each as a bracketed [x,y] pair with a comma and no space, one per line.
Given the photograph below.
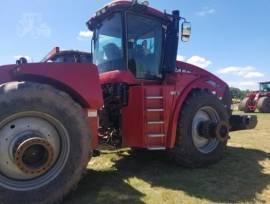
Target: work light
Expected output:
[141,2]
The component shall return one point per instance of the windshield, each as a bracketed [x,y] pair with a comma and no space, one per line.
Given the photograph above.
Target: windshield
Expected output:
[108,44]
[265,87]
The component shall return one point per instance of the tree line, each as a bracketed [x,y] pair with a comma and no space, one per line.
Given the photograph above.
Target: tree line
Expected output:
[238,93]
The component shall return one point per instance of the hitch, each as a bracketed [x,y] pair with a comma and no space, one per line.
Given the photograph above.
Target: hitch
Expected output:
[243,122]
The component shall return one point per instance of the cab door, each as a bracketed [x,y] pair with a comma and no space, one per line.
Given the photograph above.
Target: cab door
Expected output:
[146,118]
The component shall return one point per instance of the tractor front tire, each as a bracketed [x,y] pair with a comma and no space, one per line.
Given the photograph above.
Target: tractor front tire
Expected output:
[44,143]
[263,104]
[192,150]
[243,106]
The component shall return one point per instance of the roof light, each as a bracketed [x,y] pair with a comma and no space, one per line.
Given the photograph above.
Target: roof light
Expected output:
[98,13]
[103,10]
[145,3]
[141,2]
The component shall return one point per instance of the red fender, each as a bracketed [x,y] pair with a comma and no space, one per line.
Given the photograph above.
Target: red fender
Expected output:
[199,83]
[80,80]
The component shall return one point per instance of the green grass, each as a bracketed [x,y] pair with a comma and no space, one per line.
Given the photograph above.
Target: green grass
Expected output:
[242,176]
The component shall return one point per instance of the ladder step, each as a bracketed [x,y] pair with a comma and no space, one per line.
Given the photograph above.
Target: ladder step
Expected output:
[155,110]
[156,148]
[155,122]
[154,97]
[156,135]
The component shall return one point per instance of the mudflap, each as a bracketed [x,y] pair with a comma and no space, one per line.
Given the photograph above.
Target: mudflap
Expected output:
[243,122]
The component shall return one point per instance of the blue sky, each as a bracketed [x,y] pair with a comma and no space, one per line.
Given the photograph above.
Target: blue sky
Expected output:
[230,38]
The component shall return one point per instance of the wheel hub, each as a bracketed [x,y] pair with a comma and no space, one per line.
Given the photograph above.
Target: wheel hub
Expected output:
[210,130]
[202,128]
[34,148]
[34,156]
[222,131]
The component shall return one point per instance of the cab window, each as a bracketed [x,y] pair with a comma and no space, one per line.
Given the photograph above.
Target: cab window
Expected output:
[144,47]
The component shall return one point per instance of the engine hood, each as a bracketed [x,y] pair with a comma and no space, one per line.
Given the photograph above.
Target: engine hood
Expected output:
[183,67]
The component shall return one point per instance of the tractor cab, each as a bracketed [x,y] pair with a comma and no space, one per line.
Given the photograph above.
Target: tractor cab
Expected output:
[133,37]
[135,48]
[265,86]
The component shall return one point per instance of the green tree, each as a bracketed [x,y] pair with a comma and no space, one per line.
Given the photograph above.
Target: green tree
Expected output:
[237,93]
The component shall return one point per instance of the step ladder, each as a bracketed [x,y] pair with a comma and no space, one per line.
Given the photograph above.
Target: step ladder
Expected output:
[155,113]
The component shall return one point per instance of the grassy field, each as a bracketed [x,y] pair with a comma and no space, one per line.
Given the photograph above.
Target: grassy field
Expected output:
[242,176]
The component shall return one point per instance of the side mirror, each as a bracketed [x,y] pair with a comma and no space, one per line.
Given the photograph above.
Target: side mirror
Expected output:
[22,60]
[186,31]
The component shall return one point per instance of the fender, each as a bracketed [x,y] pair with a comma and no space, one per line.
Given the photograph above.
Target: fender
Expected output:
[196,83]
[81,81]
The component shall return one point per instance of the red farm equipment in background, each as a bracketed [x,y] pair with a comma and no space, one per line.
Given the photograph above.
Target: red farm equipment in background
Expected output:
[257,100]
[67,56]
[133,93]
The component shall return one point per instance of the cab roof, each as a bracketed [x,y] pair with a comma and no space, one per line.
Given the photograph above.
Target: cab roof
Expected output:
[125,5]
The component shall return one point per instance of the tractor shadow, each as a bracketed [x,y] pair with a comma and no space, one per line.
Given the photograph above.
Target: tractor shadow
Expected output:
[237,178]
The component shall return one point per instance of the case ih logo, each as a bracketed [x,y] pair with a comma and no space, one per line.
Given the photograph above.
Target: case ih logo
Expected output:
[33,24]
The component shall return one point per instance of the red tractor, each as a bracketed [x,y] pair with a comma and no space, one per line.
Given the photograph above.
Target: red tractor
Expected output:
[68,56]
[63,56]
[257,100]
[133,94]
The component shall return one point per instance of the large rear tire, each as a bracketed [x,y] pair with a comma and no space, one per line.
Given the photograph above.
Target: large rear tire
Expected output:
[263,104]
[44,143]
[192,150]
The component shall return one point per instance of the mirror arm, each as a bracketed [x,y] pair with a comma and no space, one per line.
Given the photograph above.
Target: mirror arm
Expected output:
[184,19]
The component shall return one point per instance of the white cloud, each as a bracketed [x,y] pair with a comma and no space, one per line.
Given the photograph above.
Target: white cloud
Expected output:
[254,75]
[228,70]
[33,24]
[206,11]
[85,35]
[180,58]
[245,72]
[199,61]
[29,59]
[195,60]
[244,85]
[248,73]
